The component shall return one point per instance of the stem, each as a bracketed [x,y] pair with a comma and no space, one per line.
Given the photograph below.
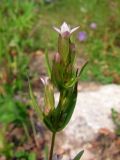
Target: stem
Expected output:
[52,146]
[34,131]
[26,131]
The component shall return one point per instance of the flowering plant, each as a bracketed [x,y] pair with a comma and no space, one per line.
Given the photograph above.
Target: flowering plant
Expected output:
[64,77]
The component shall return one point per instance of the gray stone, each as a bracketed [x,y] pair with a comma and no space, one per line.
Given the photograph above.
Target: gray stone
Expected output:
[93,111]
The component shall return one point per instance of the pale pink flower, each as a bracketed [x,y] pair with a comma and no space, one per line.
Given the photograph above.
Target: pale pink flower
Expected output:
[65,30]
[44,80]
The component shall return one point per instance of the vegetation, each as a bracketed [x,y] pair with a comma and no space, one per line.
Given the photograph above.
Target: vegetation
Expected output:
[26,27]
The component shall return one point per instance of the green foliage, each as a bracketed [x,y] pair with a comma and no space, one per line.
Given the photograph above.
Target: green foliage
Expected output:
[79,155]
[48,67]
[102,46]
[5,148]
[116,120]
[34,103]
[25,155]
[58,118]
[17,20]
[64,77]
[26,27]
[12,111]
[30,29]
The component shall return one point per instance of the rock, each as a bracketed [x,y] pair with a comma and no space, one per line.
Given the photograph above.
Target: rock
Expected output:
[92,112]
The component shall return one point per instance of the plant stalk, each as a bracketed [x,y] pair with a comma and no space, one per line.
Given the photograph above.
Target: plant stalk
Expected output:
[52,146]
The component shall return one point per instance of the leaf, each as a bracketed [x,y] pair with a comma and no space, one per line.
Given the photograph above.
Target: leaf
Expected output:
[79,155]
[58,119]
[12,110]
[76,78]
[21,154]
[71,82]
[69,105]
[47,64]
[46,152]
[82,68]
[7,111]
[32,156]
[34,103]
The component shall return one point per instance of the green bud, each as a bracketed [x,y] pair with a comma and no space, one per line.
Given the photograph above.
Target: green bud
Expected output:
[57,71]
[57,58]
[72,51]
[63,47]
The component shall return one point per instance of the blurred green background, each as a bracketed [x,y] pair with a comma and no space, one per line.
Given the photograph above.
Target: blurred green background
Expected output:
[27,27]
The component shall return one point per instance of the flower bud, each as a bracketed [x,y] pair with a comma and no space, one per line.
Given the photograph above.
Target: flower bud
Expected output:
[56,58]
[48,95]
[49,98]
[64,40]
[72,53]
[57,71]
[63,47]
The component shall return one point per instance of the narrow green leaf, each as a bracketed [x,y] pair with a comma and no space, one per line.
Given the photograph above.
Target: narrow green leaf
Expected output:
[71,83]
[34,103]
[48,67]
[74,79]
[46,151]
[79,155]
[82,68]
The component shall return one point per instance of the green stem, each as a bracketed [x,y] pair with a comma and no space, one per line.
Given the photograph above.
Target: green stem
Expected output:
[26,131]
[52,146]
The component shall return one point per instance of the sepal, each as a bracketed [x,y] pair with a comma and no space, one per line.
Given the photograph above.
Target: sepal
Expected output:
[49,98]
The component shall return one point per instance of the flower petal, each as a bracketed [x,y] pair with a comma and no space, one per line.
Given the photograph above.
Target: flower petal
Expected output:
[44,80]
[65,28]
[74,29]
[57,29]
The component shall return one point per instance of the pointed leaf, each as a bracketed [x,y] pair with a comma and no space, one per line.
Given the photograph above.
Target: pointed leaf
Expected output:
[71,82]
[46,152]
[79,155]
[47,63]
[82,68]
[34,103]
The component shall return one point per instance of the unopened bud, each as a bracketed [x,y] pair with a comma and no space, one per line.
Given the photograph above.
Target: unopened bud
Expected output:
[72,53]
[57,58]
